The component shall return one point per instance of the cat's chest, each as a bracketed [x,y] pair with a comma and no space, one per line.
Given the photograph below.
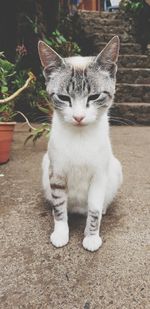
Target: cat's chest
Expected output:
[78,175]
[78,154]
[78,182]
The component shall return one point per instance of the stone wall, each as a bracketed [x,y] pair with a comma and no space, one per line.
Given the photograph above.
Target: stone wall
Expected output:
[92,30]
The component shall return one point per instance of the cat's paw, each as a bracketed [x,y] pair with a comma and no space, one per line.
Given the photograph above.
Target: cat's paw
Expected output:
[59,240]
[60,236]
[92,242]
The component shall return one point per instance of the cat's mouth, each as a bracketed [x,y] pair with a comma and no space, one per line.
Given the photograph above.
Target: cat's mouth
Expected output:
[79,124]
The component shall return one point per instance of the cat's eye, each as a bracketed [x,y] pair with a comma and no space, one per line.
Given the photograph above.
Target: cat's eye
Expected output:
[93,97]
[98,98]
[64,98]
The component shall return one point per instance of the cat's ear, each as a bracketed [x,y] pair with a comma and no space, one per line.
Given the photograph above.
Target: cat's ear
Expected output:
[108,57]
[50,60]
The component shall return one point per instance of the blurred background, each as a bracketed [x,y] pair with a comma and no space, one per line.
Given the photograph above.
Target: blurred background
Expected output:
[73,27]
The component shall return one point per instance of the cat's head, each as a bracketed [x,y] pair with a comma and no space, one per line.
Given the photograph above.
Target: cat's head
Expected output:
[81,88]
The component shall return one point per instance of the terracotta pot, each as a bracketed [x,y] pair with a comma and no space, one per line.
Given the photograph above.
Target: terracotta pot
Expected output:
[90,5]
[6,136]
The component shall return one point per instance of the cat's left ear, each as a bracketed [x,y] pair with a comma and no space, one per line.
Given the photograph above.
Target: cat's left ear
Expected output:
[50,60]
[108,57]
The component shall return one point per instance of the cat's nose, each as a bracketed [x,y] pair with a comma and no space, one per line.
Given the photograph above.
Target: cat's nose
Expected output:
[78,118]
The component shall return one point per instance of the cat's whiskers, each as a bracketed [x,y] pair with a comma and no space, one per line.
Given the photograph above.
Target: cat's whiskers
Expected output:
[42,118]
[118,121]
[122,120]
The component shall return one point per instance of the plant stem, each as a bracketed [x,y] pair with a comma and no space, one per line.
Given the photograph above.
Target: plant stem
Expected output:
[26,119]
[15,94]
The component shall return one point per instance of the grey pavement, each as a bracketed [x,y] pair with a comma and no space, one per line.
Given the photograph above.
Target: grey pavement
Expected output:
[34,274]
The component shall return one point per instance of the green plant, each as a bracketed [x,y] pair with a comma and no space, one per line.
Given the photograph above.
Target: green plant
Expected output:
[45,106]
[36,133]
[6,73]
[7,112]
[9,84]
[12,83]
[66,48]
[133,6]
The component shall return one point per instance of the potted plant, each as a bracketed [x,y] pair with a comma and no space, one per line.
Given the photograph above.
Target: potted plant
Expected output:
[7,113]
[133,6]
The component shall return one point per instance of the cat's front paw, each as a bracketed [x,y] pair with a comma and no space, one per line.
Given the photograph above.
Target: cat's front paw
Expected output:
[59,240]
[92,242]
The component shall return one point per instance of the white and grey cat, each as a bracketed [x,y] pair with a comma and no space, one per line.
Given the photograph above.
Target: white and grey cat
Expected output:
[80,172]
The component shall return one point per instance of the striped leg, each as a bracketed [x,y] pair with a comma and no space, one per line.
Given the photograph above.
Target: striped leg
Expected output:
[92,241]
[92,224]
[60,236]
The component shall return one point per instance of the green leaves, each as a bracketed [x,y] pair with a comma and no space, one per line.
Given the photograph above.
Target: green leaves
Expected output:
[8,76]
[6,112]
[4,89]
[65,47]
[43,130]
[132,6]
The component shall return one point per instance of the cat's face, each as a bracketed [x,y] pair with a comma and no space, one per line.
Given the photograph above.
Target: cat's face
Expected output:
[81,88]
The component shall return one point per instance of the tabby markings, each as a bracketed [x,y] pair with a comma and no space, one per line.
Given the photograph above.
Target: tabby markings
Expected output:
[93,221]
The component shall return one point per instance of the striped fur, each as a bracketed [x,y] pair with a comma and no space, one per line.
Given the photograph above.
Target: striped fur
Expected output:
[59,197]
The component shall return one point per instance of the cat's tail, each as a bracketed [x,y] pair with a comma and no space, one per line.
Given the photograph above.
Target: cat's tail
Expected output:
[45,177]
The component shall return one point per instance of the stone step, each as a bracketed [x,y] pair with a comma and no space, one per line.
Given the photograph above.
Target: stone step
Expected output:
[133,76]
[132,93]
[101,15]
[92,27]
[125,48]
[106,37]
[101,23]
[134,61]
[109,15]
[130,114]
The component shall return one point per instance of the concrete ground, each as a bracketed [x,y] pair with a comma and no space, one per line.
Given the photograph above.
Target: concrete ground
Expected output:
[34,274]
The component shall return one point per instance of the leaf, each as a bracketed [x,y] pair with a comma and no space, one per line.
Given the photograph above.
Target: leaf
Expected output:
[4,89]
[43,109]
[38,135]
[58,40]
[57,32]
[28,138]
[63,39]
[48,42]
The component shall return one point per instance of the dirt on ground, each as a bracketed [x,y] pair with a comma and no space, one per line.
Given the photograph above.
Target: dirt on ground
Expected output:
[34,274]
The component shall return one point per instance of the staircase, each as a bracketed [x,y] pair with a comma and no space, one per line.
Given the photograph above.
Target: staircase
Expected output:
[132,99]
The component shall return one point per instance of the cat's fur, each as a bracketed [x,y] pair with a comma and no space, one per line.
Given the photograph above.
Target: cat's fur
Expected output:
[80,172]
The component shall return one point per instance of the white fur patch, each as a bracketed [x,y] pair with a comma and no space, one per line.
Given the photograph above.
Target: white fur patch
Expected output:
[60,236]
[92,243]
[79,62]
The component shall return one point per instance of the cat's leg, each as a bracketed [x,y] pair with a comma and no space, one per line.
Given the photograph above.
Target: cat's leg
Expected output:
[92,241]
[60,235]
[45,177]
[114,182]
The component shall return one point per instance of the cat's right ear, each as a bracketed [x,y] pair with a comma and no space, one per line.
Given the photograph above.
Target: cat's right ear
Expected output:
[108,57]
[50,60]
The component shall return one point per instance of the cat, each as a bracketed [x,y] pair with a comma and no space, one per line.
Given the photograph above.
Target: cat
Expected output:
[80,172]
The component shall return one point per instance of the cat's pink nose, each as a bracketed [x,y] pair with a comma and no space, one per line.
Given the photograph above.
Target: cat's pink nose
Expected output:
[78,118]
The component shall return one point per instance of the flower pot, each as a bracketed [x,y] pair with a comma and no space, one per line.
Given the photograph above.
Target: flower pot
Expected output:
[6,136]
